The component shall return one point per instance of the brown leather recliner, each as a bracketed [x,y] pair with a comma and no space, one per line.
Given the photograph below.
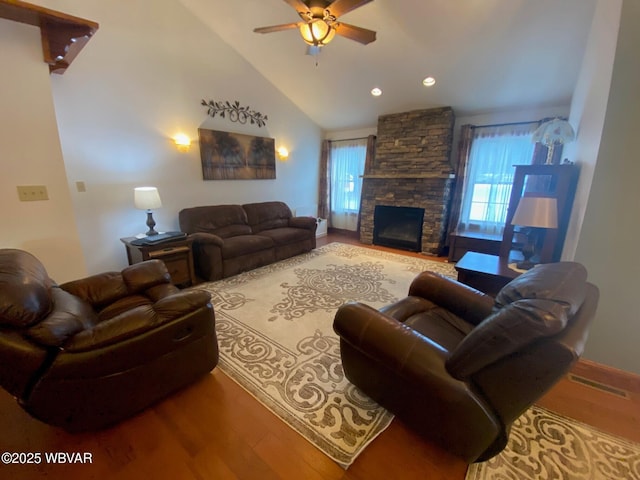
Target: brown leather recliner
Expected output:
[88,353]
[459,366]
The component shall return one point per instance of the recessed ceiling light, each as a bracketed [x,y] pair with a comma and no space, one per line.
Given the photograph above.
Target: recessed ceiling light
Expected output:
[376,92]
[429,82]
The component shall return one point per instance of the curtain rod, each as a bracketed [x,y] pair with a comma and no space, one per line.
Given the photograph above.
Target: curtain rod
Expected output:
[347,139]
[505,124]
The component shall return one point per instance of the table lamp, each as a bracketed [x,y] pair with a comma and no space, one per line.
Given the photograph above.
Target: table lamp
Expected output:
[552,133]
[147,198]
[535,212]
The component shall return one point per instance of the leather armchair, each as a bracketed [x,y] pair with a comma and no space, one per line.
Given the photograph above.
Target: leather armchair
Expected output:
[88,353]
[459,366]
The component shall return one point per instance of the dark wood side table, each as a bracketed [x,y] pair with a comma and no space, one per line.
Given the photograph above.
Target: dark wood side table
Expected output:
[177,256]
[487,273]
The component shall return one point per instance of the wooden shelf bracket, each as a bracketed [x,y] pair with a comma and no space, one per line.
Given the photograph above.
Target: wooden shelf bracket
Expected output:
[63,36]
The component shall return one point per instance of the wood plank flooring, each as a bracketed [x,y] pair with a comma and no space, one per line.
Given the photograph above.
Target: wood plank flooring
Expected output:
[216,430]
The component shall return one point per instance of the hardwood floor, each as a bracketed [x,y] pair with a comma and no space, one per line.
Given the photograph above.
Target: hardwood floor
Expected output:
[215,430]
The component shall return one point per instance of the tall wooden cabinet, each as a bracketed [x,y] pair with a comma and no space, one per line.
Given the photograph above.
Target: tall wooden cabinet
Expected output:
[558,181]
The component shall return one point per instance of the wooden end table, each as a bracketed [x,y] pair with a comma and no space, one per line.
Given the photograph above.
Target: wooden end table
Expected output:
[487,273]
[177,255]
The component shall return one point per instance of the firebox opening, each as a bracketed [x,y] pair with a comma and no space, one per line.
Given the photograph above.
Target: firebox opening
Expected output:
[398,227]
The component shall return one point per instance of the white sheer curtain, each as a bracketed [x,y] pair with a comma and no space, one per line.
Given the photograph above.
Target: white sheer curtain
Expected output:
[494,152]
[347,159]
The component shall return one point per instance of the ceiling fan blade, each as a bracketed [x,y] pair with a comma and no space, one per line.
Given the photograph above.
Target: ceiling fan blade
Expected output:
[276,28]
[359,34]
[340,7]
[299,5]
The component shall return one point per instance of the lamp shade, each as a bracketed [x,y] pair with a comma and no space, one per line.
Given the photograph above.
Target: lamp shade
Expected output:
[146,198]
[536,212]
[554,131]
[317,32]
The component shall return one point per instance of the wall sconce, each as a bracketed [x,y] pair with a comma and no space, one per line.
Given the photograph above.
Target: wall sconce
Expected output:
[182,142]
[283,153]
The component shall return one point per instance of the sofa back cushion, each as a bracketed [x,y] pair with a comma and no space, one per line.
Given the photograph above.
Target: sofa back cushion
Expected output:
[25,289]
[267,215]
[563,282]
[222,220]
[534,306]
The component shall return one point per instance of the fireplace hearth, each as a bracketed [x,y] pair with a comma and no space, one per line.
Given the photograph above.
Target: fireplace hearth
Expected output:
[398,227]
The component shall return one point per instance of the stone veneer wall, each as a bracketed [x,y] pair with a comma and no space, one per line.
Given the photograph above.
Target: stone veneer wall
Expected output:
[412,169]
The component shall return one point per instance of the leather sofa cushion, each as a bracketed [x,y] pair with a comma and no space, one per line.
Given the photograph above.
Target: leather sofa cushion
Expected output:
[267,215]
[563,282]
[430,320]
[508,330]
[245,245]
[69,316]
[110,289]
[224,221]
[122,305]
[24,289]
[99,290]
[285,235]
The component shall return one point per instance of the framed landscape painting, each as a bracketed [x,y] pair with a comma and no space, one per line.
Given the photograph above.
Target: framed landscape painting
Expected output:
[233,156]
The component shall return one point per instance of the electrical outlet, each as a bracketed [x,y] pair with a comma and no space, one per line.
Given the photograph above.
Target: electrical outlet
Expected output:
[30,193]
[81,187]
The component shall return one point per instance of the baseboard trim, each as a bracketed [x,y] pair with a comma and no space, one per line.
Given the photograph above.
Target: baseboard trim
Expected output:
[605,377]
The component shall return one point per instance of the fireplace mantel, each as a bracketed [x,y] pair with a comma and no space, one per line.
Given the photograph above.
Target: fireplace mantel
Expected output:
[444,176]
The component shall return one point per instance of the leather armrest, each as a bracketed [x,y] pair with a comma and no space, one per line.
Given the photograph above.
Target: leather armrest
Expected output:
[181,303]
[207,238]
[307,223]
[126,325]
[467,303]
[138,320]
[388,341]
[20,362]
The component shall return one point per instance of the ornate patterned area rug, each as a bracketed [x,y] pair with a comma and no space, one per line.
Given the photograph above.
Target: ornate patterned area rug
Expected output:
[276,339]
[545,445]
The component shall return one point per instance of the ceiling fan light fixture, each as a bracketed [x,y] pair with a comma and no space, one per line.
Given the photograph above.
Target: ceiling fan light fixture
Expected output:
[317,32]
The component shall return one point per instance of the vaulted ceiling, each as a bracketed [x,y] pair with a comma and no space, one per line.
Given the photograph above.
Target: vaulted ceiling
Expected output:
[486,55]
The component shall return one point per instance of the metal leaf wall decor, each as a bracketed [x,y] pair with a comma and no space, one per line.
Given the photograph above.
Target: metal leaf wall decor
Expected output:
[234,112]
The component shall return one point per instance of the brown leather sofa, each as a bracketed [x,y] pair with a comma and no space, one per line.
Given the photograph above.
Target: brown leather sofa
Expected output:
[459,366]
[230,239]
[88,353]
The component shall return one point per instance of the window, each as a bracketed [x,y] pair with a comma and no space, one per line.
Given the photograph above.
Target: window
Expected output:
[347,167]
[494,151]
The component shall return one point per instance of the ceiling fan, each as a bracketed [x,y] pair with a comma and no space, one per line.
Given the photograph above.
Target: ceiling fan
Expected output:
[320,22]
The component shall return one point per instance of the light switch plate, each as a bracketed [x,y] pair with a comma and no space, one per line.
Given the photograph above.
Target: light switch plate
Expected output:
[30,193]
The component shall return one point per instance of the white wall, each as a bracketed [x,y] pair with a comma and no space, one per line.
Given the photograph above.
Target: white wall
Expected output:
[588,108]
[608,241]
[137,83]
[30,155]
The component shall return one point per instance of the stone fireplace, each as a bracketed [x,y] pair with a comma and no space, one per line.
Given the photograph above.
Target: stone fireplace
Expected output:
[412,169]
